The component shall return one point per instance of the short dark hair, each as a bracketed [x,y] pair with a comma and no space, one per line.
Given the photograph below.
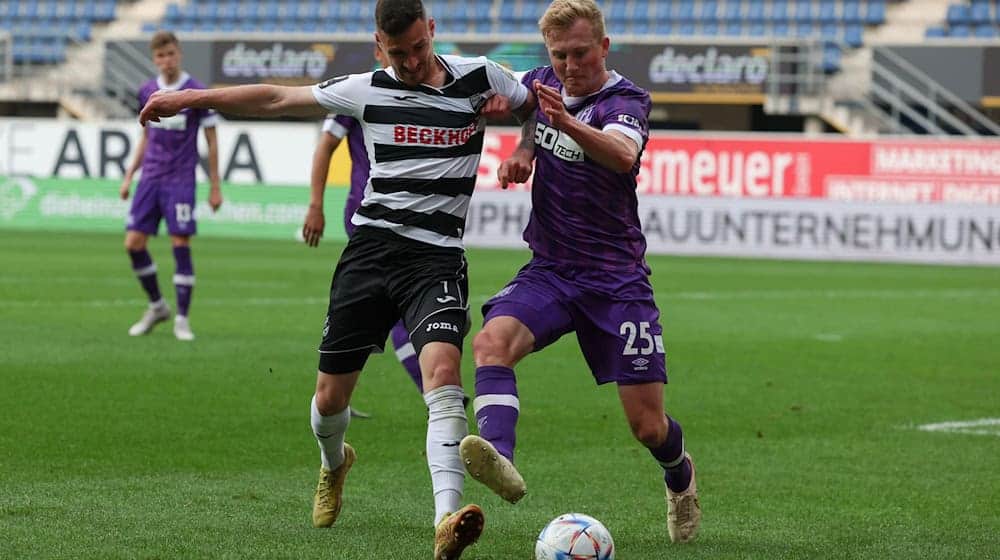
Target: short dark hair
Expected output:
[396,16]
[163,38]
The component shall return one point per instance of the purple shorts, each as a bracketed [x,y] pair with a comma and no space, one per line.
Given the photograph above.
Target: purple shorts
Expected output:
[155,201]
[620,336]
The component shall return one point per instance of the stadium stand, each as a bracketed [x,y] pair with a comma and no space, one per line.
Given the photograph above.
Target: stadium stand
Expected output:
[978,19]
[41,30]
[841,21]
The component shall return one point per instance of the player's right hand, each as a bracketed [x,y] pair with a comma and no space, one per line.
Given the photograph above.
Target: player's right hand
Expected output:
[126,185]
[515,169]
[312,230]
[161,104]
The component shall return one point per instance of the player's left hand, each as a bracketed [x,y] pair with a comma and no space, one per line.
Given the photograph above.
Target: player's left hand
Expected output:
[161,104]
[215,198]
[496,108]
[551,103]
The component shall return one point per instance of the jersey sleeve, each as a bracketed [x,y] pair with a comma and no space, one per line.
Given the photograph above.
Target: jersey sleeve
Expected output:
[337,125]
[629,115]
[343,95]
[505,83]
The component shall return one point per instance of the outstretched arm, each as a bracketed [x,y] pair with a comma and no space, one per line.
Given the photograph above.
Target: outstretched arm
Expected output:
[253,100]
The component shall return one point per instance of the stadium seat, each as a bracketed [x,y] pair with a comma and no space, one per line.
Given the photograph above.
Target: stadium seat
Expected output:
[804,11]
[851,12]
[960,31]
[986,32]
[979,13]
[959,14]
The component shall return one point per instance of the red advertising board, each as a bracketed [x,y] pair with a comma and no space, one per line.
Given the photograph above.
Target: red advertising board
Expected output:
[934,172]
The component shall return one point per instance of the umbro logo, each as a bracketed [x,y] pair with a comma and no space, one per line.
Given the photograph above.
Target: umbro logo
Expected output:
[404,97]
[446,299]
[450,444]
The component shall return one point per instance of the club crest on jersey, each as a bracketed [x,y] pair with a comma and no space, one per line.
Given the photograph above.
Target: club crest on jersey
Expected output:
[585,114]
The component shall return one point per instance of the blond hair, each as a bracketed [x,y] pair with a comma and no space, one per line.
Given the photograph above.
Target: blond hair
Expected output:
[562,14]
[163,38]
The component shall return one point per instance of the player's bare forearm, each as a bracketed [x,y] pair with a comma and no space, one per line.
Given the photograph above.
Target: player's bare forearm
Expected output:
[611,149]
[140,151]
[213,157]
[321,168]
[527,142]
[253,100]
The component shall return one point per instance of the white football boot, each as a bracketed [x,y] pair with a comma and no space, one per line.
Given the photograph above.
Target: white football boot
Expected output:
[155,314]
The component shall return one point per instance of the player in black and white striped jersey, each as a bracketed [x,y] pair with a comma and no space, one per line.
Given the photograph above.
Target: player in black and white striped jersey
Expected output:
[424,134]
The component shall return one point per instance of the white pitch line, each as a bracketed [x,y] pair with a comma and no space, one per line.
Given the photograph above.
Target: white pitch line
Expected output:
[750,295]
[204,302]
[965,427]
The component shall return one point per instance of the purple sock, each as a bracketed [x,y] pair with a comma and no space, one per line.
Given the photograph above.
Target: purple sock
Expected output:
[183,278]
[404,351]
[145,271]
[497,407]
[670,455]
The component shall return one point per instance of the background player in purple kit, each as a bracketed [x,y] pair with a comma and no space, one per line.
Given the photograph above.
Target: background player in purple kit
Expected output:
[335,129]
[168,155]
[588,272]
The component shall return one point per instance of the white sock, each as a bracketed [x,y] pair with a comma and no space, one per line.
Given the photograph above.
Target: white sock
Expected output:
[329,432]
[446,426]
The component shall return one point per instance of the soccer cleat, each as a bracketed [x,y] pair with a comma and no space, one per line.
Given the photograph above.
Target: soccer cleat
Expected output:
[457,531]
[485,464]
[182,329]
[329,491]
[684,511]
[154,315]
[355,413]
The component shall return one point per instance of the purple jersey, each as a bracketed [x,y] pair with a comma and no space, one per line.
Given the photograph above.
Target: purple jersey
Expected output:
[172,144]
[584,214]
[340,126]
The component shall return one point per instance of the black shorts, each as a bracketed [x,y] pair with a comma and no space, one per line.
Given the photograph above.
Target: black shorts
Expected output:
[382,277]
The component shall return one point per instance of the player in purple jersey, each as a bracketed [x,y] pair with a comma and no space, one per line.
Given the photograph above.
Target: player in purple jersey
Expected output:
[424,130]
[587,272]
[168,156]
[335,129]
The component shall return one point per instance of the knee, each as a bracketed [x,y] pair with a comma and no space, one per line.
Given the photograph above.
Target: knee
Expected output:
[444,372]
[651,432]
[493,349]
[329,401]
[134,244]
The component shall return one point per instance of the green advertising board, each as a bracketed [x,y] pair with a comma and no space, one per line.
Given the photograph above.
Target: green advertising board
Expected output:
[257,211]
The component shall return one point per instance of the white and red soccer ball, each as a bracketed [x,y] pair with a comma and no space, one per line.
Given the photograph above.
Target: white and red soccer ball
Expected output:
[575,536]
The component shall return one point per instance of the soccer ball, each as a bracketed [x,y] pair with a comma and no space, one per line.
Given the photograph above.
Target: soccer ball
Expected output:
[574,536]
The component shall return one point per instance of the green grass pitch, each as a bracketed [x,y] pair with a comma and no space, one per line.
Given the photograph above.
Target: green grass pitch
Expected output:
[800,387]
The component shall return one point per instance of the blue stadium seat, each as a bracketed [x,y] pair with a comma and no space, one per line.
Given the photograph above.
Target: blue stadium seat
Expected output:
[830,32]
[780,29]
[805,29]
[685,29]
[935,32]
[617,27]
[854,35]
[986,32]
[733,11]
[661,11]
[980,13]
[831,59]
[959,14]
[663,27]
[708,11]
[875,13]
[709,29]
[758,29]
[804,11]
[779,11]
[617,12]
[640,27]
[960,31]
[755,10]
[732,28]
[684,10]
[851,12]
[150,27]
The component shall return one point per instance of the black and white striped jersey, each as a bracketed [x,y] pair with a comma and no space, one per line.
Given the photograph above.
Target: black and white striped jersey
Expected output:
[423,143]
